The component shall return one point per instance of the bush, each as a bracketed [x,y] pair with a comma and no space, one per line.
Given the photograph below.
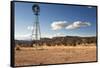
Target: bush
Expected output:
[18,48]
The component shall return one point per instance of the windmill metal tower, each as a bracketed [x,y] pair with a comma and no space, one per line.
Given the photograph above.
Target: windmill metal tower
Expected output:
[36,34]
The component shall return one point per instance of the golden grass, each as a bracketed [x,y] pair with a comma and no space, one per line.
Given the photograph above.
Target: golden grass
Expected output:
[54,55]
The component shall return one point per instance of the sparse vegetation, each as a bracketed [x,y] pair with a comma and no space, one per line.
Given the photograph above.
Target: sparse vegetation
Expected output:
[66,41]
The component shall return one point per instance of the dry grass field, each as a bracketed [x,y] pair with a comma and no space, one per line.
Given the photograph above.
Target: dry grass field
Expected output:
[54,55]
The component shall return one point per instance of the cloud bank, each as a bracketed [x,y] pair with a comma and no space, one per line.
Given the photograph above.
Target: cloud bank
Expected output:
[23,37]
[47,35]
[57,25]
[43,35]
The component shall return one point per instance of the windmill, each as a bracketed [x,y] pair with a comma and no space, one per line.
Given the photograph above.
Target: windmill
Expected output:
[36,34]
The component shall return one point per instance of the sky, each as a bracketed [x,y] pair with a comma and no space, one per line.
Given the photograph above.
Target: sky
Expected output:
[55,20]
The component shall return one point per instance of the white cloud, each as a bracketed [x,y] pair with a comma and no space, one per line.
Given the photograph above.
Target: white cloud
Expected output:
[30,27]
[77,24]
[56,25]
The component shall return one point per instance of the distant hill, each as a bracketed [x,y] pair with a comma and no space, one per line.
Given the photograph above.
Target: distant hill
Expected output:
[67,40]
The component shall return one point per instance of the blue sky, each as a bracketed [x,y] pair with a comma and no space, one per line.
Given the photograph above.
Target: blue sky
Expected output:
[55,20]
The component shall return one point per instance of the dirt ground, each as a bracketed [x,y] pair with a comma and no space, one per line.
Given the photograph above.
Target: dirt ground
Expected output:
[54,55]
